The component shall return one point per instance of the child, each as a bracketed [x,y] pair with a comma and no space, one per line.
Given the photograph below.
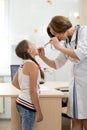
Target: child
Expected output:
[26,79]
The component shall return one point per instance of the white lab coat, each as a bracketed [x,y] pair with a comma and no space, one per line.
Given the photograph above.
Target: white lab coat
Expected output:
[79,74]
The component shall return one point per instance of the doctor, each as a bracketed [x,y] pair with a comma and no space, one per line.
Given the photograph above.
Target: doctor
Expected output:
[75,50]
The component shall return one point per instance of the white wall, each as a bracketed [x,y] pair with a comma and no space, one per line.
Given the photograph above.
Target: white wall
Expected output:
[26,16]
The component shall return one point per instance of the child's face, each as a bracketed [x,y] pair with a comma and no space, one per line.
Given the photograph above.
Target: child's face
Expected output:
[33,49]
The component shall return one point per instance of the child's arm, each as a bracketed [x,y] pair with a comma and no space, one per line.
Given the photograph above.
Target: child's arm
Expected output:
[33,90]
[15,81]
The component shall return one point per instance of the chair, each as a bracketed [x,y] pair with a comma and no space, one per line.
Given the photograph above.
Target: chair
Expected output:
[13,69]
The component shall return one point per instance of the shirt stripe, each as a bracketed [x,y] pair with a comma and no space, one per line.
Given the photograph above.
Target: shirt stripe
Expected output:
[24,103]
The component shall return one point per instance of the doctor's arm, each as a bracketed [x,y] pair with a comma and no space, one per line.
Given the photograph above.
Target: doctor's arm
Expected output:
[48,61]
[69,52]
[64,50]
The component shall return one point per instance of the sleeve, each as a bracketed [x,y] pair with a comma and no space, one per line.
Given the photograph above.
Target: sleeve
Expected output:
[81,50]
[60,60]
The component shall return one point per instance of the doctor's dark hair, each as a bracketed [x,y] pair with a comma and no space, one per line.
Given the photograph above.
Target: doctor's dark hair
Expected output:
[59,24]
[22,52]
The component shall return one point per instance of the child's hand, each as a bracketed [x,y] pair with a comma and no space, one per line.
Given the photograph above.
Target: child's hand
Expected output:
[39,117]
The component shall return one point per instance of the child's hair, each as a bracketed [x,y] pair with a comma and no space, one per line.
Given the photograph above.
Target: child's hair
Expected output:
[22,52]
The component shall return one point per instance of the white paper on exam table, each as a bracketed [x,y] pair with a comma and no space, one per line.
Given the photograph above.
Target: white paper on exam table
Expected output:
[43,88]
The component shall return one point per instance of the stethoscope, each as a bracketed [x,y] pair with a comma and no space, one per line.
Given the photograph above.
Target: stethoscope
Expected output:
[76,39]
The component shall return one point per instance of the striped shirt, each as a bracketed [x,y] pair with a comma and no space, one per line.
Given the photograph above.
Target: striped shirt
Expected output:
[24,97]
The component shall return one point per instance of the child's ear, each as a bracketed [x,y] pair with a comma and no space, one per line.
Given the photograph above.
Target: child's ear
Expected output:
[30,51]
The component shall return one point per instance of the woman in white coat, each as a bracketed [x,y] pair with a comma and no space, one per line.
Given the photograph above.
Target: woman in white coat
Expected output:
[75,50]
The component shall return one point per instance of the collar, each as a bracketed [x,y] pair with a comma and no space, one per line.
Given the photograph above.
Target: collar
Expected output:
[73,38]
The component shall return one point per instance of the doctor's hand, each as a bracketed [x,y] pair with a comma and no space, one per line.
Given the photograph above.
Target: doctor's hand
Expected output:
[41,52]
[55,42]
